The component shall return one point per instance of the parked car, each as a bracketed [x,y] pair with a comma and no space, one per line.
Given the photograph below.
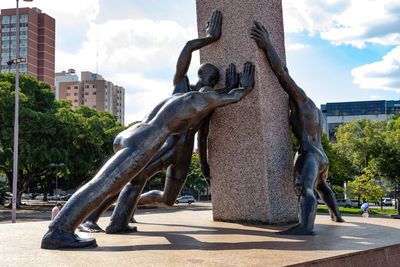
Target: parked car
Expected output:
[387,202]
[347,203]
[66,197]
[185,199]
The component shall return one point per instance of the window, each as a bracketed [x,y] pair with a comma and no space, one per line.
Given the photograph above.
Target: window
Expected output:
[23,42]
[75,94]
[94,106]
[5,19]
[75,100]
[86,93]
[24,17]
[5,26]
[94,86]
[69,87]
[68,94]
[85,100]
[94,93]
[75,87]
[23,25]
[87,86]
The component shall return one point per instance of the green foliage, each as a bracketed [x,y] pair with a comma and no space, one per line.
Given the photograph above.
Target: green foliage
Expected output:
[3,192]
[387,163]
[364,187]
[360,141]
[195,180]
[51,132]
[342,210]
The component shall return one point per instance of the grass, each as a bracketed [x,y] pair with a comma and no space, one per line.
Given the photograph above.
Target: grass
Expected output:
[342,210]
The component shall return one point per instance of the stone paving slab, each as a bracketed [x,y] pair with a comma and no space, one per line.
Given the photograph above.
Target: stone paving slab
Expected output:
[189,237]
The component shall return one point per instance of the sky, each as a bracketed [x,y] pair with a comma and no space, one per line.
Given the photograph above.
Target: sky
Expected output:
[336,50]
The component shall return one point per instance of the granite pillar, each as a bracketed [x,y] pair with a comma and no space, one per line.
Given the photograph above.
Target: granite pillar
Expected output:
[250,149]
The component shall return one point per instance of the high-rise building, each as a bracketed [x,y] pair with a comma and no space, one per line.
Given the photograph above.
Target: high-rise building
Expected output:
[335,114]
[95,92]
[37,43]
[64,76]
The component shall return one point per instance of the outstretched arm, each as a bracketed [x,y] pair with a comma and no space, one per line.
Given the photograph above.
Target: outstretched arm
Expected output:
[213,33]
[261,36]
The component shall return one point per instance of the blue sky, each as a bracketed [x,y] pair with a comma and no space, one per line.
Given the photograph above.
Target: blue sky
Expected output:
[337,50]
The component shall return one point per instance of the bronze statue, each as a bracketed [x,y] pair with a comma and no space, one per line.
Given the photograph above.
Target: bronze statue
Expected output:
[311,164]
[176,153]
[134,148]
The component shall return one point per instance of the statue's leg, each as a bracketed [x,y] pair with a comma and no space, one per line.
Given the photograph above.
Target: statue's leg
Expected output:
[89,225]
[175,176]
[327,195]
[126,205]
[306,173]
[129,196]
[107,182]
[175,180]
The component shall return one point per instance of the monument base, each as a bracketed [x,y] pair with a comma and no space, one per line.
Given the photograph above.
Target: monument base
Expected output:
[182,236]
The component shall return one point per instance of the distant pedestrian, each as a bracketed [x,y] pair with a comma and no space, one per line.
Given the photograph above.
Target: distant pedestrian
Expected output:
[365,210]
[55,210]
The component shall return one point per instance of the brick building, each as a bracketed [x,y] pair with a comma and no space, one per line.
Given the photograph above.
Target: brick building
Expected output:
[37,43]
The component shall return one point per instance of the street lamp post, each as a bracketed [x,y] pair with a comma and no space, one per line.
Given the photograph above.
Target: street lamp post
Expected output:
[15,162]
[56,165]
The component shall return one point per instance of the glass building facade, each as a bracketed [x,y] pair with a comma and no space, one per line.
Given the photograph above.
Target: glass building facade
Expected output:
[335,114]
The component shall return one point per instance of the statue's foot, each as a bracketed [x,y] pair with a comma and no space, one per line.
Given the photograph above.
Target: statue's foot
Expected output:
[54,239]
[90,227]
[118,229]
[133,220]
[297,230]
[337,219]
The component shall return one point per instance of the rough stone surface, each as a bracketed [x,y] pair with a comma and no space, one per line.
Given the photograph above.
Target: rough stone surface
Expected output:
[250,150]
[188,236]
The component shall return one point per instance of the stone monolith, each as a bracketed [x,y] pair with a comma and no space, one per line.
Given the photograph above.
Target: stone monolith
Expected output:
[250,149]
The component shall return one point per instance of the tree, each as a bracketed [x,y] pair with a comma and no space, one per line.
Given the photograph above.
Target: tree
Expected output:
[387,164]
[360,141]
[364,187]
[36,130]
[340,168]
[51,132]
[89,136]
[195,181]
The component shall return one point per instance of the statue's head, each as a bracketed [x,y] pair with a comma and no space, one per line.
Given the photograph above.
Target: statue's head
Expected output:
[208,75]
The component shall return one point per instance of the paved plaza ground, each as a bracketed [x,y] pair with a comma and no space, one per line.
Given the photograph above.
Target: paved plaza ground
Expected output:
[187,236]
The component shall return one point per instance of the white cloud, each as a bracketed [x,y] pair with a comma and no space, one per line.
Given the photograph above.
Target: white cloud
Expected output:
[296,46]
[384,74]
[354,22]
[128,51]
[142,94]
[376,97]
[134,44]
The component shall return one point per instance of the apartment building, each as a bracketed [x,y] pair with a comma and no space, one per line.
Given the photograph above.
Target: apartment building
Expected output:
[95,92]
[37,43]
